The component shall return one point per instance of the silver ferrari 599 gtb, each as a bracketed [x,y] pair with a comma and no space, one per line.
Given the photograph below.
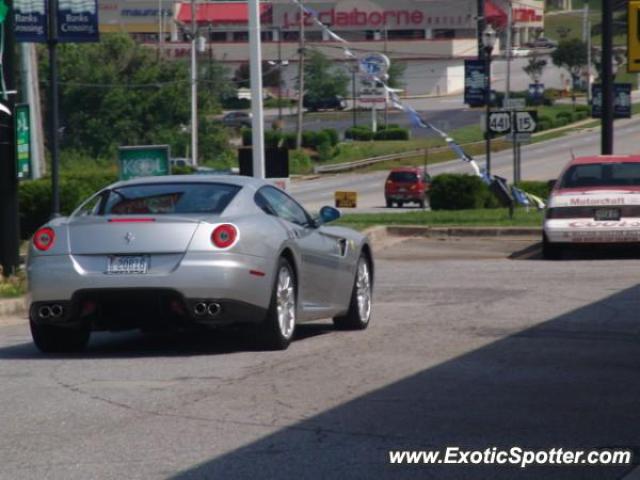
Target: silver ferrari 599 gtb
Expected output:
[194,250]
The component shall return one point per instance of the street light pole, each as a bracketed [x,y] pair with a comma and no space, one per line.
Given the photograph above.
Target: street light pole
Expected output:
[354,70]
[607,79]
[257,113]
[54,120]
[300,80]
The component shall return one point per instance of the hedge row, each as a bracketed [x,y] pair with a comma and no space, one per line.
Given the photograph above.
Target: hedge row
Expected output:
[539,189]
[391,132]
[310,139]
[35,198]
[561,119]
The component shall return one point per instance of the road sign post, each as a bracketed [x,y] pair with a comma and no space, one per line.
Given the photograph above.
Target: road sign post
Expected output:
[633,37]
[517,125]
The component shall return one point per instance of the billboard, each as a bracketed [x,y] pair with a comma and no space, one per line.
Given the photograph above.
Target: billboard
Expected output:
[474,82]
[77,20]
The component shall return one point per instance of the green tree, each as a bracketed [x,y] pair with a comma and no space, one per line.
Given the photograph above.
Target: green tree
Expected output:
[116,92]
[271,76]
[322,79]
[572,56]
[396,74]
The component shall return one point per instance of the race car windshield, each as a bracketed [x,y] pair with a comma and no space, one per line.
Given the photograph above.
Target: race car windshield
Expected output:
[602,175]
[168,198]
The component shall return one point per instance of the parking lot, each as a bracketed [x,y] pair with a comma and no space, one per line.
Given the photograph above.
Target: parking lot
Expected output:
[473,343]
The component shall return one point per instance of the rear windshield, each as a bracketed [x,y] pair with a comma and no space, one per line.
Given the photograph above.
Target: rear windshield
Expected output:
[403,177]
[167,198]
[602,175]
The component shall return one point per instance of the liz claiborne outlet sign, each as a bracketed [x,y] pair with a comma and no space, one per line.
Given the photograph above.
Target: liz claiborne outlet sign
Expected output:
[396,15]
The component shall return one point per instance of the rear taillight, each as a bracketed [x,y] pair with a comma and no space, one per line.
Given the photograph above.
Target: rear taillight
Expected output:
[44,238]
[224,235]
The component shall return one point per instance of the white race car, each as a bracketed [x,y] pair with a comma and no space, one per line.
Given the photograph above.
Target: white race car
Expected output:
[596,200]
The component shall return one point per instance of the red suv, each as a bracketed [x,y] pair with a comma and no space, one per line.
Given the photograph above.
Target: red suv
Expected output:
[407,184]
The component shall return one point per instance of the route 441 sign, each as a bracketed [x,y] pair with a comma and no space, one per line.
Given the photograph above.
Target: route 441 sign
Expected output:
[517,122]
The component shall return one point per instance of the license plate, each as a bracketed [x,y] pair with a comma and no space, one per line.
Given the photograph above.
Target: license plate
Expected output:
[127,265]
[402,190]
[607,214]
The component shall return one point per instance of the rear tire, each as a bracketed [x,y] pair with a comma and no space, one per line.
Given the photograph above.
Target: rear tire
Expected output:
[52,339]
[400,204]
[389,203]
[421,203]
[359,313]
[279,326]
[551,251]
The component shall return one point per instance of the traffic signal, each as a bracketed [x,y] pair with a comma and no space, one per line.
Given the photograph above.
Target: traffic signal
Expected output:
[633,33]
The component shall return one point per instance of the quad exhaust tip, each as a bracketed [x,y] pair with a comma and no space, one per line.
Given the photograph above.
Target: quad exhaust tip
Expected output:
[44,312]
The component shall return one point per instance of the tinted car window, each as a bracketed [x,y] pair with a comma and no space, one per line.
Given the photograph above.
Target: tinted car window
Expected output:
[168,198]
[272,200]
[602,175]
[403,177]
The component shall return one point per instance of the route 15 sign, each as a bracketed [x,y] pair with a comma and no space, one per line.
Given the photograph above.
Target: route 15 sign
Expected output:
[526,121]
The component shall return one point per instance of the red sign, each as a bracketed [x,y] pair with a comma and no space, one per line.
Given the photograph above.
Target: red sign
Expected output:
[359,18]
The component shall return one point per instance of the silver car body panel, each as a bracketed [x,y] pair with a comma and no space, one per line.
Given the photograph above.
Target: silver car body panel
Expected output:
[182,257]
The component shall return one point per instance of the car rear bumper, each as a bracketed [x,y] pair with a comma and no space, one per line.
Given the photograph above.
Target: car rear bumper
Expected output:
[579,231]
[405,196]
[197,275]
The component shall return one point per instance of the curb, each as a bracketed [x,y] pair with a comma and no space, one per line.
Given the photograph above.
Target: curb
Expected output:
[379,235]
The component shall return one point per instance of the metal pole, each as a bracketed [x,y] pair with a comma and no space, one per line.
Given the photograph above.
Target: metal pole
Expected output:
[487,99]
[589,99]
[54,134]
[607,79]
[280,75]
[507,93]
[9,225]
[300,79]
[353,94]
[194,85]
[482,23]
[255,64]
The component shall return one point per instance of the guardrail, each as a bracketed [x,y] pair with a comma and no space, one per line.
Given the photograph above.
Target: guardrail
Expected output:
[365,162]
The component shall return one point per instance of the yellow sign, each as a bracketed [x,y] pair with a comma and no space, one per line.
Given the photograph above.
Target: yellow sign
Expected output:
[633,33]
[346,199]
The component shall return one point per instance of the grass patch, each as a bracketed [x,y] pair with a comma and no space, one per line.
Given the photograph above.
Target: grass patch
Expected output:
[486,218]
[13,286]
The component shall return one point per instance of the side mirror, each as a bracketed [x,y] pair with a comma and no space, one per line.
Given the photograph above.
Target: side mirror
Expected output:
[551,184]
[329,214]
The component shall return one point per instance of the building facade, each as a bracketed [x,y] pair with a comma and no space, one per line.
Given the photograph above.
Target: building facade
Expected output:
[432,37]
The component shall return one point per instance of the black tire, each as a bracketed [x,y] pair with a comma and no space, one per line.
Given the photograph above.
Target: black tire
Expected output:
[421,203]
[52,339]
[353,319]
[551,251]
[272,336]
[400,204]
[389,203]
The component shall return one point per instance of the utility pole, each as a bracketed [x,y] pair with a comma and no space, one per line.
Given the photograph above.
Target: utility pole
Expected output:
[300,79]
[54,120]
[194,85]
[30,95]
[586,38]
[255,68]
[482,23]
[607,79]
[354,70]
[9,225]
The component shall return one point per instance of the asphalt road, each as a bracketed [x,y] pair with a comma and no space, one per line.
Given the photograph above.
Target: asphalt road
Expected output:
[541,161]
[466,348]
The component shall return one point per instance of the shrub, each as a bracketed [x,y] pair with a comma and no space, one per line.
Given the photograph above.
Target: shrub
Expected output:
[545,124]
[299,162]
[333,135]
[580,115]
[246,137]
[392,134]
[359,133]
[561,122]
[537,188]
[460,192]
[566,115]
[583,108]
